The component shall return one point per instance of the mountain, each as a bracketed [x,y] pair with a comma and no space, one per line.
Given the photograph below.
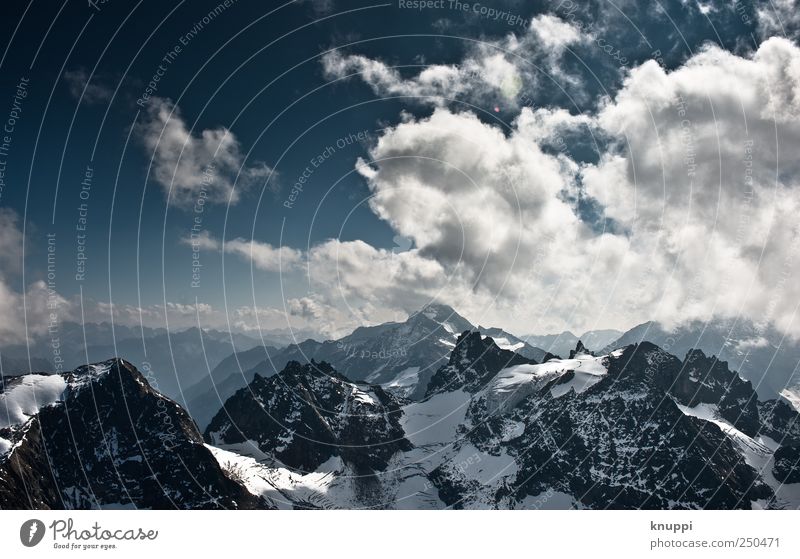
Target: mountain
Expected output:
[504,340]
[172,361]
[635,428]
[322,415]
[474,361]
[561,344]
[762,355]
[309,438]
[177,360]
[401,357]
[102,437]
[209,393]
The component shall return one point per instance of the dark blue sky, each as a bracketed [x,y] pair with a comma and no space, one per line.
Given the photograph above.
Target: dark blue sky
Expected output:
[255,69]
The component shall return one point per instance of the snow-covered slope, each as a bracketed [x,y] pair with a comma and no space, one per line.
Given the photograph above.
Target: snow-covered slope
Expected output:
[514,384]
[636,428]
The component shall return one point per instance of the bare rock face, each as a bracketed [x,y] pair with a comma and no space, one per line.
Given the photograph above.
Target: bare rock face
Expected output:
[310,413]
[101,437]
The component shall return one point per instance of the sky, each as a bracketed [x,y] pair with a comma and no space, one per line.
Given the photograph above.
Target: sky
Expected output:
[323,165]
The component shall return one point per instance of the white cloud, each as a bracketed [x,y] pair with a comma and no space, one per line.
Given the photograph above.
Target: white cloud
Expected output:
[359,274]
[10,243]
[195,169]
[430,85]
[264,256]
[554,33]
[778,18]
[492,72]
[706,178]
[701,178]
[469,197]
[18,310]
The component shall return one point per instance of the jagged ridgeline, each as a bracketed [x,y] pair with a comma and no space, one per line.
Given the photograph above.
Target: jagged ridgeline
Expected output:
[633,427]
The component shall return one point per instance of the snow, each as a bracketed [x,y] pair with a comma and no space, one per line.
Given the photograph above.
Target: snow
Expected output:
[757,453]
[504,343]
[484,468]
[448,343]
[434,421]
[513,384]
[27,396]
[581,382]
[333,485]
[404,379]
[512,430]
[5,446]
[90,374]
[363,397]
[791,397]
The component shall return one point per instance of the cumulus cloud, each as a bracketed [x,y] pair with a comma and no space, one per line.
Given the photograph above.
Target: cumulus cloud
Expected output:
[697,172]
[486,211]
[700,177]
[265,256]
[192,169]
[492,71]
[363,276]
[706,178]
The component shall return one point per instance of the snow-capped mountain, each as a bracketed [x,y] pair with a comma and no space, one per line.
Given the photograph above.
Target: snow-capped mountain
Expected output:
[760,354]
[504,340]
[101,437]
[401,357]
[636,428]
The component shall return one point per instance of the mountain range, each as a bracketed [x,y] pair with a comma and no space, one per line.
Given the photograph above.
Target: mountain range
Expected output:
[430,413]
[399,356]
[563,343]
[172,360]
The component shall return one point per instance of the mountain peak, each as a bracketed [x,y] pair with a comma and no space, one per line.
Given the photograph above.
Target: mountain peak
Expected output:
[75,448]
[474,360]
[439,312]
[443,315]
